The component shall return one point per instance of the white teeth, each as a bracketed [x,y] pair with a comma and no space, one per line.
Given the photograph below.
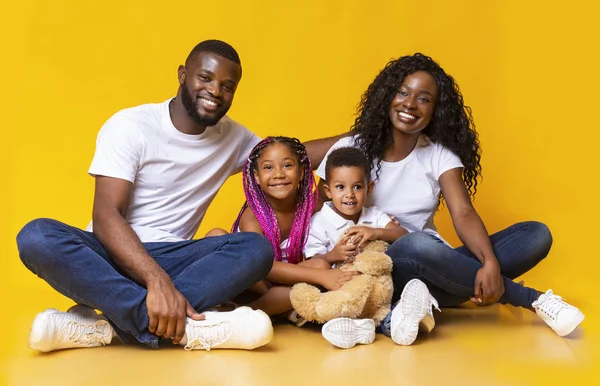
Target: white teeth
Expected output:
[406,115]
[210,103]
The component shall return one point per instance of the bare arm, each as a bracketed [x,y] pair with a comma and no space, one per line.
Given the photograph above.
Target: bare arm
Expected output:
[317,148]
[167,307]
[391,232]
[489,285]
[111,201]
[468,224]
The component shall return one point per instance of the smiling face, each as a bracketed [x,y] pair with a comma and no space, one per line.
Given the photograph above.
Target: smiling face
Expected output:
[348,189]
[413,106]
[279,172]
[207,84]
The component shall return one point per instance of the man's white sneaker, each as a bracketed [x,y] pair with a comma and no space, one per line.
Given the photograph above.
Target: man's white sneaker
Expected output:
[558,314]
[55,330]
[346,332]
[242,328]
[413,312]
[83,310]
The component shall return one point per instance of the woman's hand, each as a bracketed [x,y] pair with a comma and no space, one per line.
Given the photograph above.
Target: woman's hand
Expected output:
[489,285]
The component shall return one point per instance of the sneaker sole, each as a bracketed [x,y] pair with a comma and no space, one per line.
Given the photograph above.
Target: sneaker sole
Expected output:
[405,333]
[36,335]
[346,333]
[572,327]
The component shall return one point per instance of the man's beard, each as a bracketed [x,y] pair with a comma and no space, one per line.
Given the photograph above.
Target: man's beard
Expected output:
[190,105]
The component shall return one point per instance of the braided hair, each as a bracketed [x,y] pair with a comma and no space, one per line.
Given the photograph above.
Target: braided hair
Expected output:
[262,209]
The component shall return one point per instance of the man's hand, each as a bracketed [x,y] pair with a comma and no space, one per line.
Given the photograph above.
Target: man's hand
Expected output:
[167,310]
[343,251]
[489,285]
[362,234]
[334,279]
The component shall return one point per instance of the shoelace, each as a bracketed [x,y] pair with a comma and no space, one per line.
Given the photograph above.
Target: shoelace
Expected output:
[551,305]
[208,335]
[88,334]
[434,303]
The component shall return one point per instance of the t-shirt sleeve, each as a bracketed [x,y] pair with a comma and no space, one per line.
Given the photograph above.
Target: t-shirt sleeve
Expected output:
[381,218]
[344,142]
[250,140]
[316,243]
[119,149]
[446,160]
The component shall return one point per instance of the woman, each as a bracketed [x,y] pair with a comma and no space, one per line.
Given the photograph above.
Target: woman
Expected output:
[421,141]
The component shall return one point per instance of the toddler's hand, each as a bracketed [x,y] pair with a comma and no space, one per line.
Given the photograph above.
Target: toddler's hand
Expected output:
[362,234]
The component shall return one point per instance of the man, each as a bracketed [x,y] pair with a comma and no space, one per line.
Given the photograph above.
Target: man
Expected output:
[157,168]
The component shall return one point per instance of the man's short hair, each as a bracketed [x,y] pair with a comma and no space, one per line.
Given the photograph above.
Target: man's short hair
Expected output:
[217,47]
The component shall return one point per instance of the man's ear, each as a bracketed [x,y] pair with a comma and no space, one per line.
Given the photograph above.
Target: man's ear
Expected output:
[181,71]
[370,186]
[327,191]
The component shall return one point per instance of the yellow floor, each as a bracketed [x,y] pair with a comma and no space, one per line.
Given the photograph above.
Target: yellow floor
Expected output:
[497,345]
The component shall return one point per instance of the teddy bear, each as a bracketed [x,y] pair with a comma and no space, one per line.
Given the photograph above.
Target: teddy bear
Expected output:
[366,296]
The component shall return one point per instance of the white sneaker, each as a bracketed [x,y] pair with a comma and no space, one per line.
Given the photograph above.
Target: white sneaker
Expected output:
[346,332]
[242,328]
[55,330]
[558,314]
[83,310]
[413,312]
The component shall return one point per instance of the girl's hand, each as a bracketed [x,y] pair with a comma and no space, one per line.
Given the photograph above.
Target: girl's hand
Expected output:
[334,279]
[362,234]
[489,285]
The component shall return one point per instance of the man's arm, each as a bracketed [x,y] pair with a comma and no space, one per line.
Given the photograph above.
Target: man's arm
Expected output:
[167,307]
[317,148]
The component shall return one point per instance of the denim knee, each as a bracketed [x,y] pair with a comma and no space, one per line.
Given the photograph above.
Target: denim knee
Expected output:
[32,240]
[540,236]
[258,251]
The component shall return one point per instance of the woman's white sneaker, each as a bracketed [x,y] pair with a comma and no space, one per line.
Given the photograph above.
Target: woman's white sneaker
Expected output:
[562,317]
[55,330]
[346,332]
[413,312]
[242,328]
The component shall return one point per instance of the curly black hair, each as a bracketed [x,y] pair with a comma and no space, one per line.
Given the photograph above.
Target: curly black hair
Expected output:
[347,157]
[451,124]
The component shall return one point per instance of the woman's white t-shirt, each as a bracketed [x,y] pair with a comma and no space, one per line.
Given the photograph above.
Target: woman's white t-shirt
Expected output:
[408,189]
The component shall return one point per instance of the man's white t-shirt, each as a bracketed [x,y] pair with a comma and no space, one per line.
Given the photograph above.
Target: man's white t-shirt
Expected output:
[408,189]
[175,176]
[326,227]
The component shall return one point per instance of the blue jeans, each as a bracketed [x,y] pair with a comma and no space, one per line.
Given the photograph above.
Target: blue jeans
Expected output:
[206,271]
[450,273]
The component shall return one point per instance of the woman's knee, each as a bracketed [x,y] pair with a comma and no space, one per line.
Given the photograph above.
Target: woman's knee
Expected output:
[540,239]
[416,245]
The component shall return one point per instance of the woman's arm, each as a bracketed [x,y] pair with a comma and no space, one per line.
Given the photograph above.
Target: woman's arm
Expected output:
[489,285]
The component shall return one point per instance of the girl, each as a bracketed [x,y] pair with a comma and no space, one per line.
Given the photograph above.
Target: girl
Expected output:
[421,141]
[278,184]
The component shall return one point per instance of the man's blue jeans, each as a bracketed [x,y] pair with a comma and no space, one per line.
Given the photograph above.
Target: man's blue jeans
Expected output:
[206,271]
[450,273]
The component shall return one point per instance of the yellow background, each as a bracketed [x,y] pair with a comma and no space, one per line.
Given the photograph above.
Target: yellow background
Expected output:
[529,70]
